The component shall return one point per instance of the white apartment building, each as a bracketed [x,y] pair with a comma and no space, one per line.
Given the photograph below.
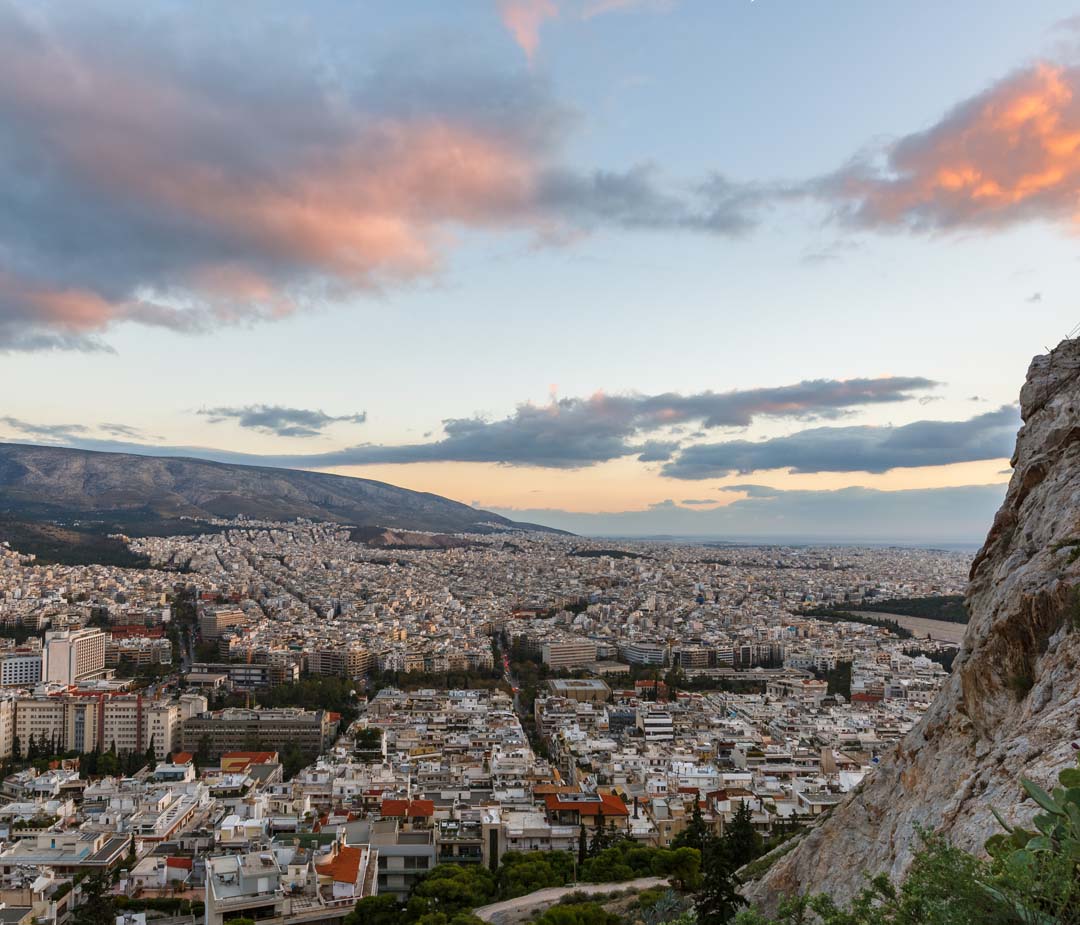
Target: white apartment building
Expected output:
[69,656]
[643,653]
[20,669]
[656,725]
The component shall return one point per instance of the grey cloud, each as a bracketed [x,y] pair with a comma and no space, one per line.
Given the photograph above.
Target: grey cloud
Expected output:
[576,432]
[1034,297]
[856,449]
[45,431]
[958,515]
[571,432]
[123,430]
[699,501]
[657,450]
[637,199]
[71,433]
[282,422]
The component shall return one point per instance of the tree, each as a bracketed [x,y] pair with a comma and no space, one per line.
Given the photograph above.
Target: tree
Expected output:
[522,873]
[582,846]
[682,866]
[719,899]
[743,842]
[16,749]
[108,764]
[97,906]
[695,833]
[151,754]
[599,839]
[577,914]
[452,888]
[383,909]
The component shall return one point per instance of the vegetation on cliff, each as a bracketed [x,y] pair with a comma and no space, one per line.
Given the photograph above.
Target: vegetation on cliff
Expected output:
[1027,878]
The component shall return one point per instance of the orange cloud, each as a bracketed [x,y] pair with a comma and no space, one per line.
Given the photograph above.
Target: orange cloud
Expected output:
[1010,154]
[523,19]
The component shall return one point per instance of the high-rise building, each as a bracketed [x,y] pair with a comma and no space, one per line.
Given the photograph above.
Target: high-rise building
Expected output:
[20,667]
[214,621]
[72,655]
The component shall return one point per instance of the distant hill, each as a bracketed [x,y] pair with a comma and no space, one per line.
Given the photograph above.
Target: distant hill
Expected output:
[148,494]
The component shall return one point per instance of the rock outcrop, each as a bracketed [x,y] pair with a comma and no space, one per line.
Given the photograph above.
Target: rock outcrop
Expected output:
[1012,704]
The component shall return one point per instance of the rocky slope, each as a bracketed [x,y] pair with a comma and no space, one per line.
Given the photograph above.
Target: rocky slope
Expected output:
[53,482]
[1012,704]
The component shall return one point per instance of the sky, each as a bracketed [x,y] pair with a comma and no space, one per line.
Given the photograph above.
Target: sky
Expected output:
[691,267]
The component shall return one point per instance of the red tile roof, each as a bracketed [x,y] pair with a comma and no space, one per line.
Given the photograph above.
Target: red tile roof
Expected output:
[180,863]
[415,809]
[344,867]
[612,805]
[238,761]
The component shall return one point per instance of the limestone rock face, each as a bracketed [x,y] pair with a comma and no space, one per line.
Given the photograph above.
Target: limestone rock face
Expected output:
[1012,704]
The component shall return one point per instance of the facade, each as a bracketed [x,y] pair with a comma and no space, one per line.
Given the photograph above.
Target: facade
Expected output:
[404,857]
[238,729]
[644,653]
[20,668]
[214,621]
[568,653]
[82,723]
[583,690]
[244,886]
[350,662]
[69,656]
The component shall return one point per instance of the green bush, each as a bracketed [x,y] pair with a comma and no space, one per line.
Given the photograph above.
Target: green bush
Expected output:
[577,914]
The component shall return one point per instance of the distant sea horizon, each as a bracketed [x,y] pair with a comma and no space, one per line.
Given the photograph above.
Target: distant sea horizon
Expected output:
[793,540]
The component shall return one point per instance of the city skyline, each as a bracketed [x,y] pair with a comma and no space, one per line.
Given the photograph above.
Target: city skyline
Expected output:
[637,267]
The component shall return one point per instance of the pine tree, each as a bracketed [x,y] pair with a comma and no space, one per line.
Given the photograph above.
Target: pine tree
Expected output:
[718,901]
[97,906]
[599,839]
[695,833]
[743,843]
[16,749]
[582,846]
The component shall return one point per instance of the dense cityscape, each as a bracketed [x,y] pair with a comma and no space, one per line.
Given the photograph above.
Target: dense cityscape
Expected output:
[276,720]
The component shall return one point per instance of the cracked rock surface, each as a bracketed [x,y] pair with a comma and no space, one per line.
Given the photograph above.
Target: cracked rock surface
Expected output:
[1012,705]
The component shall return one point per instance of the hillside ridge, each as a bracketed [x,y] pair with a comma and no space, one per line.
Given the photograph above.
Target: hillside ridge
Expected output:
[1011,707]
[39,482]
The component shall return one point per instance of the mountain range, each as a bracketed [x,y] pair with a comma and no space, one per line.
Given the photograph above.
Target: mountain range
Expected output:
[145,494]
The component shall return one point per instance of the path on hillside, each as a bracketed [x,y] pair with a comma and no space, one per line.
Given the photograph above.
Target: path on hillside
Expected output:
[512,910]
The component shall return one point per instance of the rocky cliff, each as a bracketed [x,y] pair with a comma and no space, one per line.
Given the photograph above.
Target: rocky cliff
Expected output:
[1012,704]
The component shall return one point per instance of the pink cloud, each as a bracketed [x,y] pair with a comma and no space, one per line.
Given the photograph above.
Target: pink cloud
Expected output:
[523,19]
